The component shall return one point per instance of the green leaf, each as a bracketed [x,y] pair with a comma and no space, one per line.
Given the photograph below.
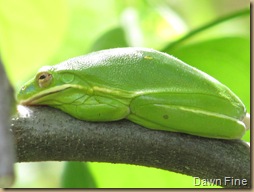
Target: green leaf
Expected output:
[111,39]
[87,21]
[31,31]
[77,175]
[197,33]
[132,176]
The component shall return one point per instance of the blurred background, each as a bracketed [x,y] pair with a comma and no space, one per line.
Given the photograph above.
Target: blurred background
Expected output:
[212,35]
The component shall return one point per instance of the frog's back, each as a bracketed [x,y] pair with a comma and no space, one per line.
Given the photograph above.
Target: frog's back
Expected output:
[135,69]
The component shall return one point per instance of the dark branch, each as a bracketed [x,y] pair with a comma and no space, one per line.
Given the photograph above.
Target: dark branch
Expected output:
[47,134]
[7,157]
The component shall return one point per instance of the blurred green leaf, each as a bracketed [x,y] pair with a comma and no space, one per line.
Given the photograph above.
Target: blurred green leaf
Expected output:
[198,32]
[111,39]
[149,23]
[132,176]
[31,31]
[87,22]
[77,175]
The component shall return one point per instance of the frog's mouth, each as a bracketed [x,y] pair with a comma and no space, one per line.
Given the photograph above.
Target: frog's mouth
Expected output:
[44,96]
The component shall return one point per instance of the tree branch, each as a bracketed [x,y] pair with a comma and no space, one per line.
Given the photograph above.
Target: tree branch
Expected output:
[7,155]
[47,134]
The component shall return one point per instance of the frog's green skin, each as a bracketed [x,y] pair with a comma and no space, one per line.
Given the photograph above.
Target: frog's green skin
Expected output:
[148,87]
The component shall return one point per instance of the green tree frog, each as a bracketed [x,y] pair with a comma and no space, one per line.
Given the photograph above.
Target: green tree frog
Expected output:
[145,86]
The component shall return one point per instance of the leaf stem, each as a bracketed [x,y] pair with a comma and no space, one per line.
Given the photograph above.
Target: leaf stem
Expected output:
[207,26]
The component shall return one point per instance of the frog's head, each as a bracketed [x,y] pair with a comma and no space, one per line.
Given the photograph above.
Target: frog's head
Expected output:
[43,88]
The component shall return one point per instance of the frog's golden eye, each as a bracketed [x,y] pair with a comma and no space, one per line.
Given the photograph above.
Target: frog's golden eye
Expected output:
[44,79]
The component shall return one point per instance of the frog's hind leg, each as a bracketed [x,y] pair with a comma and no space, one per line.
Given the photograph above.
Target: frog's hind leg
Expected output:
[179,114]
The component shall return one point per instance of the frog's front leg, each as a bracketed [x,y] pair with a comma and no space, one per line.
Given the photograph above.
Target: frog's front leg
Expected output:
[95,108]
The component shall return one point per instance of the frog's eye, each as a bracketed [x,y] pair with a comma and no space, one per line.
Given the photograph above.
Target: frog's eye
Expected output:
[44,79]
